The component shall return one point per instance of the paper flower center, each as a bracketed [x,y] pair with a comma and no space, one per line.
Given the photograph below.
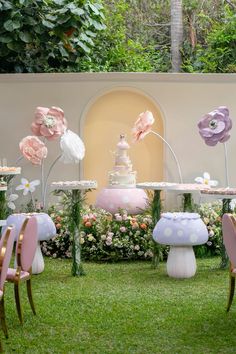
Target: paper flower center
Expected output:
[213,124]
[49,121]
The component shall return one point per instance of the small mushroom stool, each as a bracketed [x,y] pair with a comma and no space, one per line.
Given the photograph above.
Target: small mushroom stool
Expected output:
[181,231]
[46,230]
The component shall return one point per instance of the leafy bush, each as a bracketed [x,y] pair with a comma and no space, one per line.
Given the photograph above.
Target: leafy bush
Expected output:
[218,54]
[47,35]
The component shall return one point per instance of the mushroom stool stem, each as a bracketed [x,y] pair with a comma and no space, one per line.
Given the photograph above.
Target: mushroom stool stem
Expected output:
[181,262]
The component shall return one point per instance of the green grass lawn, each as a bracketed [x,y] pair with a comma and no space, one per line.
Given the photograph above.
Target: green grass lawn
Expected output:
[123,308]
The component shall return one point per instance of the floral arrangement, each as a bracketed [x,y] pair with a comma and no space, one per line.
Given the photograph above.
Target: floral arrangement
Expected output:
[143,126]
[50,124]
[103,237]
[214,127]
[211,214]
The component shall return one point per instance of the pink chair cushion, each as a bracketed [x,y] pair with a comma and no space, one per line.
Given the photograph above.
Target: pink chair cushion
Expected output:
[29,244]
[8,253]
[229,237]
[11,273]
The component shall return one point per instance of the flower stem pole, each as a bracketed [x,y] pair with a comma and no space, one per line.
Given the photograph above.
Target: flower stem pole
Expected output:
[226,208]
[42,182]
[173,153]
[226,166]
[156,214]
[46,180]
[75,218]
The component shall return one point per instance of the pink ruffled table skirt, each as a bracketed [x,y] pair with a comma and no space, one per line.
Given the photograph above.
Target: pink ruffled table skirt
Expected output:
[133,200]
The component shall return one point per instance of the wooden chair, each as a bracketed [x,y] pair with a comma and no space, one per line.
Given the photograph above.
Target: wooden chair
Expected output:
[229,239]
[6,247]
[25,251]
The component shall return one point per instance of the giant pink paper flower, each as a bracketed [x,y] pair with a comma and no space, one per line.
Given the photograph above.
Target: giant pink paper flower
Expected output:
[143,125]
[49,122]
[214,127]
[33,149]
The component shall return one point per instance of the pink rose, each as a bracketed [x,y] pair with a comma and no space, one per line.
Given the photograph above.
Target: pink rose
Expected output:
[49,122]
[33,149]
[143,125]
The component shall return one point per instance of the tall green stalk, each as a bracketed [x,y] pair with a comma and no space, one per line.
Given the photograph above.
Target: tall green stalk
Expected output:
[2,205]
[74,227]
[224,263]
[156,214]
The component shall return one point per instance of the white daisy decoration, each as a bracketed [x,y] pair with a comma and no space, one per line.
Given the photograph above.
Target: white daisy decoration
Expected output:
[27,186]
[10,199]
[206,179]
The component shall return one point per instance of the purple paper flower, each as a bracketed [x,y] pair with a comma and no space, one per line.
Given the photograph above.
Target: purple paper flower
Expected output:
[214,127]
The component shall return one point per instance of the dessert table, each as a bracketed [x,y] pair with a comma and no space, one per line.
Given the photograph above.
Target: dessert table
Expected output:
[225,195]
[75,200]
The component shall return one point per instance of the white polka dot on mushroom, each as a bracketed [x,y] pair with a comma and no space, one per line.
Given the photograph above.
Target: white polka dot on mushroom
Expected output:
[180,233]
[168,231]
[193,237]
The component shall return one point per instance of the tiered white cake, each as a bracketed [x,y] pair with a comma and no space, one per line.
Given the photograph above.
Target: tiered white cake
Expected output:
[122,175]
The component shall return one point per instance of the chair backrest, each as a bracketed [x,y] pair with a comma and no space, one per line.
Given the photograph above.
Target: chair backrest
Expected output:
[6,247]
[27,243]
[229,236]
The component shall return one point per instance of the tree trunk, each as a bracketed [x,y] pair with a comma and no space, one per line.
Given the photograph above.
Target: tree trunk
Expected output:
[176,34]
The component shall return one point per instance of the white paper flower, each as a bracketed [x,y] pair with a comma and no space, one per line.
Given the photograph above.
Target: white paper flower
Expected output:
[27,186]
[72,147]
[10,199]
[206,179]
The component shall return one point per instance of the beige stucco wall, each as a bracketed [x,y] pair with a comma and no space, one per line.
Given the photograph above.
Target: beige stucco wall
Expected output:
[110,115]
[179,100]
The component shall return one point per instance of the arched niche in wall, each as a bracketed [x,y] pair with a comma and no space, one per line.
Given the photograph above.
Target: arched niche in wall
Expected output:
[110,115]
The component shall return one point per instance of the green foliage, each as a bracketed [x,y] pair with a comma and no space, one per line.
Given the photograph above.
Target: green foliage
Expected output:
[114,49]
[47,35]
[218,54]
